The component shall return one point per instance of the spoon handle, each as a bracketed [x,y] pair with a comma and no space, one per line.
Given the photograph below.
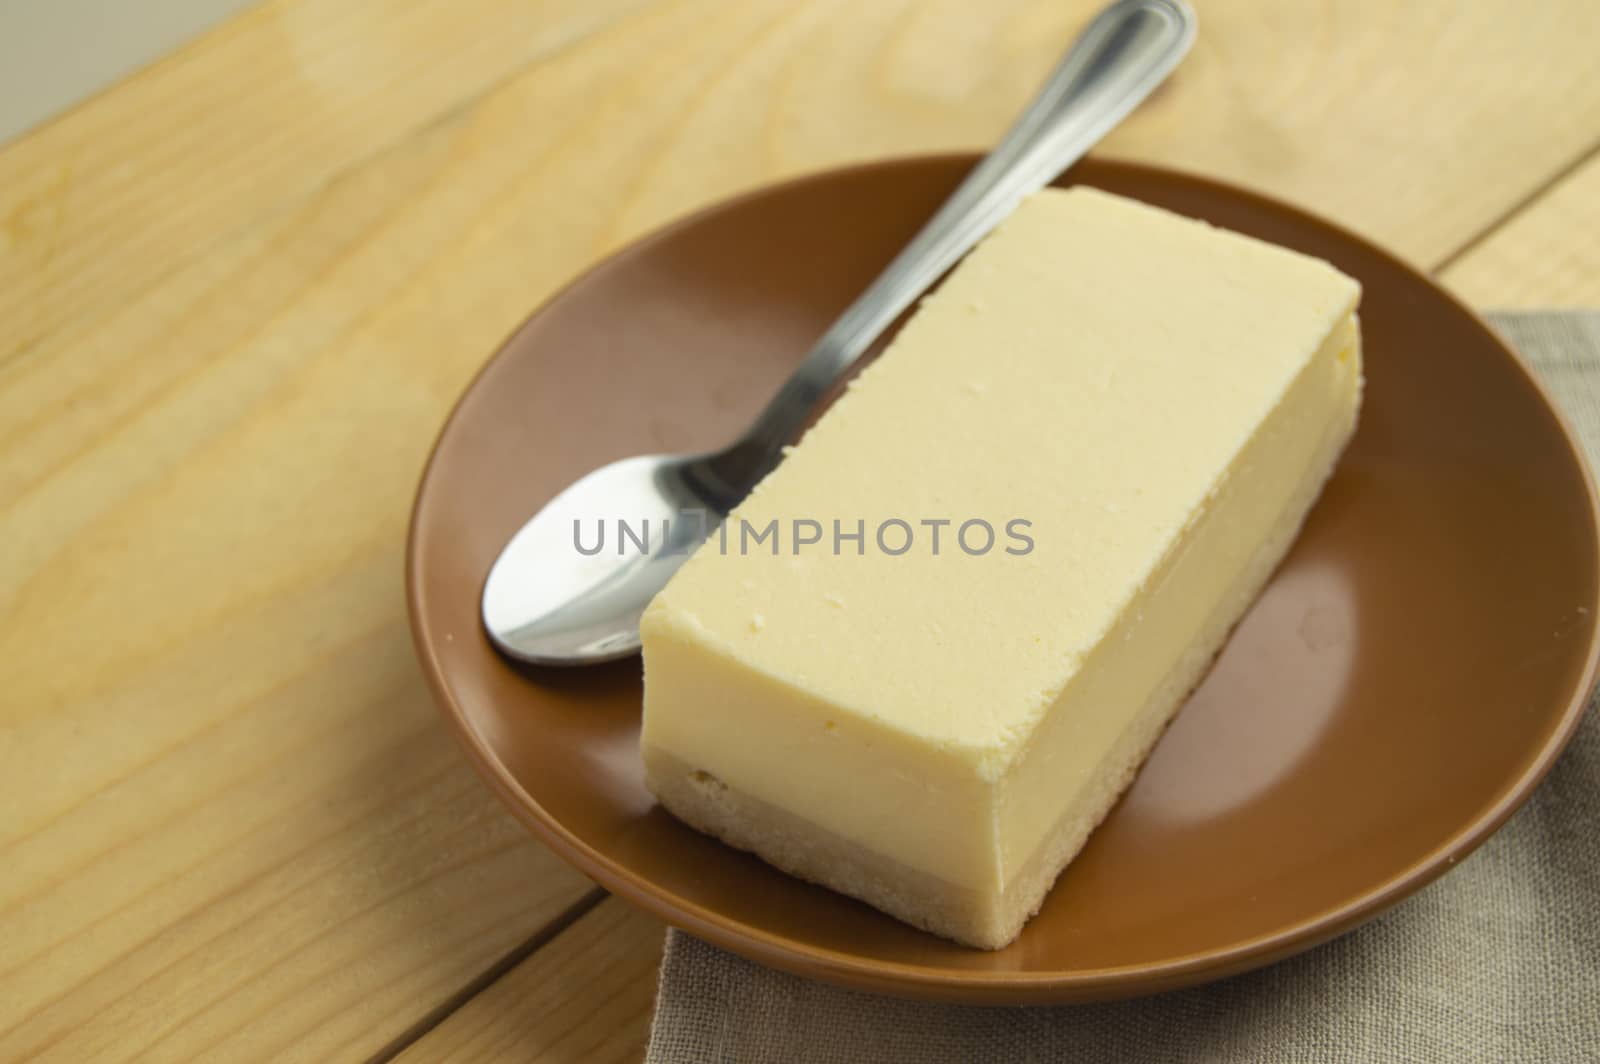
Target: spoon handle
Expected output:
[1127,51]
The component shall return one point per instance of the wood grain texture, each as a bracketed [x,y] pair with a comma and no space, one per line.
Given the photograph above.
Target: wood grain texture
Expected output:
[238,294]
[107,199]
[585,997]
[1546,255]
[238,824]
[1411,121]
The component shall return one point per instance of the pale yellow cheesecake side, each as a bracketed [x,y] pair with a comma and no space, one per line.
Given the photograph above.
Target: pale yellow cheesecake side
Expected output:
[1142,408]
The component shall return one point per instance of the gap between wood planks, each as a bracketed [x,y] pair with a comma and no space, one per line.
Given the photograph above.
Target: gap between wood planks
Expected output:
[1534,195]
[489,976]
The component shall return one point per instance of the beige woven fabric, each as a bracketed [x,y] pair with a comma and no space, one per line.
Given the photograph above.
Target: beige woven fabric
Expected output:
[1497,962]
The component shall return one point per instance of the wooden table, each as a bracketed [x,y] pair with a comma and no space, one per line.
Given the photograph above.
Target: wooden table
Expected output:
[238,294]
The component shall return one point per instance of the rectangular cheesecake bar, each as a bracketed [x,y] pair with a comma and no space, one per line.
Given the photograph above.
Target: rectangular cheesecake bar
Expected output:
[858,683]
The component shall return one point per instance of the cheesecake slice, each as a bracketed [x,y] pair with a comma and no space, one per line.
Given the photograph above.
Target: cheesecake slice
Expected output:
[860,684]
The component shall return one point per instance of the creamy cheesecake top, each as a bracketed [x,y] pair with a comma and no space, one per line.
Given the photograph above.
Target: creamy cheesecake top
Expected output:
[1090,370]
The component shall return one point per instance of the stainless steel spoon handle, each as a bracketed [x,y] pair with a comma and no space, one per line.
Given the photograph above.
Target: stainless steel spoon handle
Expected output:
[1118,60]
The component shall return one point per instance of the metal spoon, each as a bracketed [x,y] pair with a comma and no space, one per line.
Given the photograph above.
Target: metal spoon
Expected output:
[548,603]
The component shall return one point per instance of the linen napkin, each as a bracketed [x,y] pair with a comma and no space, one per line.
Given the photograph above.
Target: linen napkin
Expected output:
[1498,961]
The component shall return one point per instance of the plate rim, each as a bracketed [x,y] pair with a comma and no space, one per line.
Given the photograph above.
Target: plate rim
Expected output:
[975,985]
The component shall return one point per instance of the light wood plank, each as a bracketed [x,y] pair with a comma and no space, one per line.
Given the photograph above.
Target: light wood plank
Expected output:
[233,825]
[1547,255]
[238,826]
[100,203]
[585,997]
[1301,101]
[228,461]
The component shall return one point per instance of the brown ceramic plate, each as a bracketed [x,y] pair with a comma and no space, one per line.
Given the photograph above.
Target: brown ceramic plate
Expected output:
[1406,679]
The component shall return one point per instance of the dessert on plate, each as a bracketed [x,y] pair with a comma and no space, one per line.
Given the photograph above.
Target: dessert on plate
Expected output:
[925,656]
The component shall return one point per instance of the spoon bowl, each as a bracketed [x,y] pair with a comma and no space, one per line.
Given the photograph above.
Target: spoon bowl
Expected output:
[619,535]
